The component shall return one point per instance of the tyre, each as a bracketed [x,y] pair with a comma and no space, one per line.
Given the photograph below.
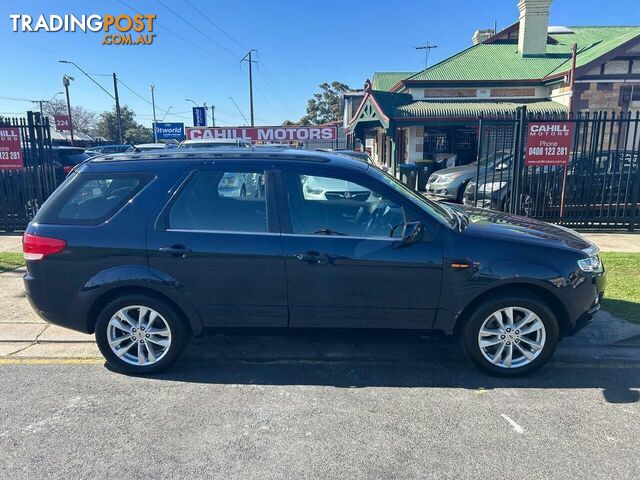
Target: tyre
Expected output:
[510,335]
[140,334]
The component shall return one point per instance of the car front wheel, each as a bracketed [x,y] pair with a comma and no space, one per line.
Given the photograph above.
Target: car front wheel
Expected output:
[140,334]
[511,335]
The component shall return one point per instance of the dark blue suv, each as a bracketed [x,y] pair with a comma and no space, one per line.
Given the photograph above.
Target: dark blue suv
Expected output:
[147,249]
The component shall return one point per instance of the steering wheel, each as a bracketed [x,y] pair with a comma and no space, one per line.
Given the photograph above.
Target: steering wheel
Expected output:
[377,221]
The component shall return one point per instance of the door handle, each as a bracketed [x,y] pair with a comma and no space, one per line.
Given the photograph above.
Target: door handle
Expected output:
[176,250]
[312,258]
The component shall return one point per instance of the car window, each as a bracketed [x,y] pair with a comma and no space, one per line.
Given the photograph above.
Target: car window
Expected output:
[71,159]
[320,205]
[90,199]
[221,200]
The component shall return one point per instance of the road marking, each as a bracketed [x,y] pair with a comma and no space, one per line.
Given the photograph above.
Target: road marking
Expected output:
[516,427]
[51,361]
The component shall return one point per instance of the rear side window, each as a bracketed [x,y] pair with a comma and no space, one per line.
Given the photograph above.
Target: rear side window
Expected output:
[221,200]
[91,198]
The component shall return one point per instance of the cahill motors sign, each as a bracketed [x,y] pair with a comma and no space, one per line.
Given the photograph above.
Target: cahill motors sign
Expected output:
[548,143]
[264,134]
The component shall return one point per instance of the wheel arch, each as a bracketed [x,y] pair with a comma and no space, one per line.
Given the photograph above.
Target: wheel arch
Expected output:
[548,297]
[193,325]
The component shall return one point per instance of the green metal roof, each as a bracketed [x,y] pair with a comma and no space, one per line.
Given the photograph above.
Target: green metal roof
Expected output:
[472,109]
[501,60]
[385,80]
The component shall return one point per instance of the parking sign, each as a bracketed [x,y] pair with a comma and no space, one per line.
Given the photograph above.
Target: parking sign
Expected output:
[199,117]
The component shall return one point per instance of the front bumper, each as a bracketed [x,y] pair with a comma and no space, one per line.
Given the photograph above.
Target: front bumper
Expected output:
[595,289]
[442,190]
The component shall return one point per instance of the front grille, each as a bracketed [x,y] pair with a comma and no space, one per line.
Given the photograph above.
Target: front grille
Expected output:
[356,196]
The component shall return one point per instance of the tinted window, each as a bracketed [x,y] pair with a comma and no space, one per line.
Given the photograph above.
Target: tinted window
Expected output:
[71,158]
[221,201]
[90,199]
[334,206]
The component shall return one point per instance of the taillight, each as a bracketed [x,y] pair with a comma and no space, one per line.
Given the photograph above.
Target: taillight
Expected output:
[35,247]
[67,169]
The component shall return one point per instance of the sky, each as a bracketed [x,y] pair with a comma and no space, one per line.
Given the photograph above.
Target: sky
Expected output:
[196,54]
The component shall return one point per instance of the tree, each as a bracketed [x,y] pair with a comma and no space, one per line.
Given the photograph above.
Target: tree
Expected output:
[83,120]
[132,131]
[325,107]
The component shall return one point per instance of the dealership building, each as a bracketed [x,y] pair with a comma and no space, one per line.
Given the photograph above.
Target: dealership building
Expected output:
[433,114]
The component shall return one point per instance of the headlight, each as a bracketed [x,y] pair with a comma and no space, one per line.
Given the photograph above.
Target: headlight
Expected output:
[491,187]
[593,264]
[313,190]
[230,182]
[447,178]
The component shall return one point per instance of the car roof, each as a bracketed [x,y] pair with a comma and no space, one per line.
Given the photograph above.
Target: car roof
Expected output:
[67,148]
[234,154]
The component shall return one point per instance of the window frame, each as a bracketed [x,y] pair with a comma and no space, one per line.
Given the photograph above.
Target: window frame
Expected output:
[358,177]
[273,223]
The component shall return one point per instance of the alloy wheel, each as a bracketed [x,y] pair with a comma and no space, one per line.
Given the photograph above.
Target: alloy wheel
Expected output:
[512,337]
[139,335]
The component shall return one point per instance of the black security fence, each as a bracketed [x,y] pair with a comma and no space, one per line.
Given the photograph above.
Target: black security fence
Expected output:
[23,190]
[598,187]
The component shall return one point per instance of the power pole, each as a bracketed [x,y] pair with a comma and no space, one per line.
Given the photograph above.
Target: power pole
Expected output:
[66,80]
[427,48]
[153,105]
[118,116]
[247,58]
[213,115]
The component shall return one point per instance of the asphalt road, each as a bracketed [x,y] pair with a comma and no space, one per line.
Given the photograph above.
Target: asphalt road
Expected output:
[321,407]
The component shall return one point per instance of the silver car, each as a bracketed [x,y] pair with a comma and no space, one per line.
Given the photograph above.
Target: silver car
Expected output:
[450,183]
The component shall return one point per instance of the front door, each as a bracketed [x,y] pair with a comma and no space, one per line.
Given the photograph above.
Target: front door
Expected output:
[218,239]
[345,264]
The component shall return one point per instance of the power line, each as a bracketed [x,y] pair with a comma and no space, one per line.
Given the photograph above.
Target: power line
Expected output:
[181,37]
[273,89]
[138,95]
[199,31]
[216,25]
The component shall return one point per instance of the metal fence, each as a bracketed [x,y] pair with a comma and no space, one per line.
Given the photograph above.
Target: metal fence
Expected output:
[23,190]
[598,188]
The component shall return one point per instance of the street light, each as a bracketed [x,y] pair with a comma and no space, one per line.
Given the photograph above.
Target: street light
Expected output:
[114,97]
[66,81]
[40,102]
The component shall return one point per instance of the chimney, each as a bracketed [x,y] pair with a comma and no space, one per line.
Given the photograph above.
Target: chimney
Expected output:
[480,36]
[534,22]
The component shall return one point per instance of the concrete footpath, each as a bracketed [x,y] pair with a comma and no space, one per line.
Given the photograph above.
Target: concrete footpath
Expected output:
[25,335]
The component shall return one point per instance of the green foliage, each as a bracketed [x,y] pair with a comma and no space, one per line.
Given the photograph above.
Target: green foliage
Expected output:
[324,107]
[10,261]
[622,295]
[132,131]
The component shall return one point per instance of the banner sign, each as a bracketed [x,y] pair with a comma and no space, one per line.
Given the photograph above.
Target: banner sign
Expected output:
[199,117]
[169,130]
[548,143]
[265,134]
[63,122]
[10,148]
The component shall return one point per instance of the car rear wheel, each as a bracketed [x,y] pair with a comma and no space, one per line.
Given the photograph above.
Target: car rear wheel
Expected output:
[511,335]
[139,334]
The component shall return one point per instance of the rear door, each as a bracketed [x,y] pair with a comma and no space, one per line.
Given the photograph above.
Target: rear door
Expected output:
[218,238]
[345,264]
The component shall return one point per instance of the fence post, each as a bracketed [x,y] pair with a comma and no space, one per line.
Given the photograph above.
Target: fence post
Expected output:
[518,160]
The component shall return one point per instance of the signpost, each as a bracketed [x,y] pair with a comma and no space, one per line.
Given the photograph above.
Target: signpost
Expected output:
[62,122]
[199,117]
[169,130]
[265,134]
[548,144]
[10,149]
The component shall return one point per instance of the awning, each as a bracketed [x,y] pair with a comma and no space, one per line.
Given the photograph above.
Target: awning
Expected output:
[472,109]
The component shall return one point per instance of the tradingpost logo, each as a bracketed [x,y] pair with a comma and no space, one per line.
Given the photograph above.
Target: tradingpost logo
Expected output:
[117,29]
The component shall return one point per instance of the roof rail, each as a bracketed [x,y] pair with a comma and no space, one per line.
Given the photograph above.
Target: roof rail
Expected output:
[209,155]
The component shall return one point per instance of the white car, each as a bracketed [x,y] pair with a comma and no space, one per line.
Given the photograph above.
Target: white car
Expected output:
[215,143]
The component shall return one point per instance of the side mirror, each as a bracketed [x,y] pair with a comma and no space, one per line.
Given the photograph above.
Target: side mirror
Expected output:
[412,232]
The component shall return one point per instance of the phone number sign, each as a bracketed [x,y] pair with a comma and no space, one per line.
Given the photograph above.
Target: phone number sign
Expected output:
[10,149]
[548,143]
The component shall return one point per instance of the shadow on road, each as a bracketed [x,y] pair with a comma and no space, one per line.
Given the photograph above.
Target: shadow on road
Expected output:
[361,360]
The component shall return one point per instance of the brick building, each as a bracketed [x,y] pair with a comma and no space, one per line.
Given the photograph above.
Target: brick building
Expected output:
[409,116]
